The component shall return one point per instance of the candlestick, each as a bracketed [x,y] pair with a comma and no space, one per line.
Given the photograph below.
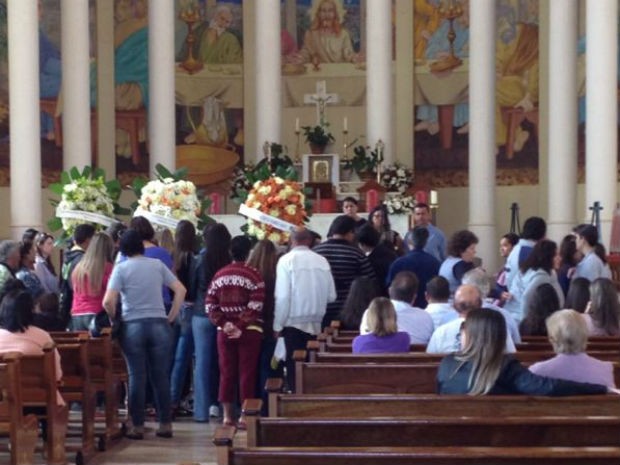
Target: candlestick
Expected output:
[345,133]
[296,125]
[267,151]
[433,198]
[345,125]
[297,133]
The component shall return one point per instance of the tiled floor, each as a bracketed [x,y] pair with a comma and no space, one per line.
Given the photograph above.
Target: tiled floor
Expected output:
[191,444]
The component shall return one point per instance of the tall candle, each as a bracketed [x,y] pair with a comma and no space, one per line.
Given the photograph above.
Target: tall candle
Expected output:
[296,124]
[433,198]
[346,124]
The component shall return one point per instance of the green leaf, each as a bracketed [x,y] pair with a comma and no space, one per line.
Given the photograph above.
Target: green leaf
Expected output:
[56,188]
[180,174]
[98,173]
[86,172]
[65,178]
[54,224]
[138,184]
[74,173]
[162,171]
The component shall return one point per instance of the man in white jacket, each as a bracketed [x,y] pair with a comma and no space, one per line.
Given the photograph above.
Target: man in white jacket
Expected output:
[304,287]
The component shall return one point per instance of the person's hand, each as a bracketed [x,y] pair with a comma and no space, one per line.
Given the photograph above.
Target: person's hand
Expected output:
[227,328]
[525,103]
[588,307]
[235,333]
[571,272]
[505,296]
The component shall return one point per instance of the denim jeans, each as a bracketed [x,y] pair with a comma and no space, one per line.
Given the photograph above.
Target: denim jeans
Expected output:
[206,372]
[182,353]
[147,346]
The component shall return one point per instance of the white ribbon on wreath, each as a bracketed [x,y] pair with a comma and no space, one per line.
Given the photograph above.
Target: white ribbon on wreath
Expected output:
[261,217]
[90,217]
[159,220]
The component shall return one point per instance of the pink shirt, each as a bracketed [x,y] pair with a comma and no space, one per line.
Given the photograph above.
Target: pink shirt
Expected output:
[30,342]
[86,304]
[576,367]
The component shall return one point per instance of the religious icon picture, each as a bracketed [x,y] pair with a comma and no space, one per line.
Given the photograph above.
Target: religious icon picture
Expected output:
[320,171]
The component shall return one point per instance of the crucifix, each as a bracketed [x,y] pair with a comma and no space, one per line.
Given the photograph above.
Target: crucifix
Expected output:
[320,99]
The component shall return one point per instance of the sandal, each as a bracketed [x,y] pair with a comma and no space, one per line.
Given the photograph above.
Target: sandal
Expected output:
[135,433]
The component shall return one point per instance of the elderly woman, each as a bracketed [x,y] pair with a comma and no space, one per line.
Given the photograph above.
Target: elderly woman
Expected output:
[568,334]
[146,336]
[384,336]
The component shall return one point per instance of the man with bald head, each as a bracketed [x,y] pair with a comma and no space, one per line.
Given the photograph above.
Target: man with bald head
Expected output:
[447,338]
[304,287]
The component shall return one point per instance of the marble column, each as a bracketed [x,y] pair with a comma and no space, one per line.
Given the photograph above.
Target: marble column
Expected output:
[76,123]
[161,133]
[379,80]
[562,119]
[482,130]
[601,110]
[268,73]
[25,128]
[105,130]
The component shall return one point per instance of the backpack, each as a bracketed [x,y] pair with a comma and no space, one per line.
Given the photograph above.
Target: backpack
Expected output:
[66,288]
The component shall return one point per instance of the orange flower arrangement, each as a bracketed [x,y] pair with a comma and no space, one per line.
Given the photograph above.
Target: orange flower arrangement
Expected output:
[282,199]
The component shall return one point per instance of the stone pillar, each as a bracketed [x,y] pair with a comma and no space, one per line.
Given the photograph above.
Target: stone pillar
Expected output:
[268,72]
[75,40]
[482,130]
[379,81]
[25,129]
[161,85]
[562,119]
[601,110]
[404,83]
[105,130]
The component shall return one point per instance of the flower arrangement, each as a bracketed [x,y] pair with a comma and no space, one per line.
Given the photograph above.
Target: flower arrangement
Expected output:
[396,178]
[85,197]
[399,204]
[169,198]
[318,135]
[366,159]
[279,198]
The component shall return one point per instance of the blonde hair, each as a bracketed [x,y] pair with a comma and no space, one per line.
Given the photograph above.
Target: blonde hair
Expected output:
[313,12]
[382,317]
[485,340]
[165,239]
[567,331]
[87,277]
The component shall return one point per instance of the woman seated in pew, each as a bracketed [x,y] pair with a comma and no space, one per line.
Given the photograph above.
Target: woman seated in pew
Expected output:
[543,303]
[361,293]
[603,313]
[578,295]
[384,336]
[568,334]
[17,333]
[482,367]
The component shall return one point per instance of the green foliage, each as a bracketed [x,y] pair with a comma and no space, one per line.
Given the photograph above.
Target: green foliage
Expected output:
[365,159]
[317,135]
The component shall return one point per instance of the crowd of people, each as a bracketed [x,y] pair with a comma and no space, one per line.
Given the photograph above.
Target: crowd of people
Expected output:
[204,321]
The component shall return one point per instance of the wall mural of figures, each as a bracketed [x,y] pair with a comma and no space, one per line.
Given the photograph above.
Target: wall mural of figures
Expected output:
[441,131]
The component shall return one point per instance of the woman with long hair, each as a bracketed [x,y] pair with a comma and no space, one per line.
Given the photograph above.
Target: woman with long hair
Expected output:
[578,296]
[384,336]
[264,257]
[363,289]
[461,254]
[603,314]
[543,303]
[43,266]
[214,257]
[482,367]
[184,268]
[569,257]
[538,268]
[90,280]
[380,220]
[26,274]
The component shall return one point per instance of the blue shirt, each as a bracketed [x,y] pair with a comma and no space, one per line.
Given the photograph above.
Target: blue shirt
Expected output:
[436,244]
[425,267]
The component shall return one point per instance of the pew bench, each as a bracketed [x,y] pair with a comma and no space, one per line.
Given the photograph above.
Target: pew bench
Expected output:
[373,405]
[21,430]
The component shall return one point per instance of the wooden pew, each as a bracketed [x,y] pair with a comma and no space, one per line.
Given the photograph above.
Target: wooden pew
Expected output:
[400,405]
[39,391]
[22,430]
[352,378]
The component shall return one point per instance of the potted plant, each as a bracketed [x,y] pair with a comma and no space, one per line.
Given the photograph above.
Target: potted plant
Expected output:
[317,138]
[365,161]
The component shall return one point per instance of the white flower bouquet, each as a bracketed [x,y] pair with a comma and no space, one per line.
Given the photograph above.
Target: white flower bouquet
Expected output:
[396,178]
[400,204]
[167,198]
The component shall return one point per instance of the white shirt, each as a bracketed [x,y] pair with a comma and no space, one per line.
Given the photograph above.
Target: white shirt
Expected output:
[447,339]
[592,267]
[441,313]
[414,321]
[304,287]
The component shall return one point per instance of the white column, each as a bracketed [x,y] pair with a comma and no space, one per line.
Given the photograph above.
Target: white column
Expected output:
[76,134]
[482,129]
[161,85]
[379,94]
[403,143]
[562,118]
[106,130]
[268,74]
[601,109]
[25,128]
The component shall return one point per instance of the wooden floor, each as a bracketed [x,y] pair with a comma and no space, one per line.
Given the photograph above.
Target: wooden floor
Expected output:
[191,444]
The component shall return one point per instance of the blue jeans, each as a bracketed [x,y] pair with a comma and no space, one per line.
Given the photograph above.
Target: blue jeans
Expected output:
[147,345]
[182,353]
[206,371]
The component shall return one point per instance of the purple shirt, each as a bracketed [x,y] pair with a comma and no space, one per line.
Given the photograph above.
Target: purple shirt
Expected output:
[576,367]
[372,344]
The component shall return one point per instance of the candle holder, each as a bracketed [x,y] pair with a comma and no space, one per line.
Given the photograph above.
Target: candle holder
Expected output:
[345,134]
[297,142]
[451,12]
[191,17]
[379,147]
[433,205]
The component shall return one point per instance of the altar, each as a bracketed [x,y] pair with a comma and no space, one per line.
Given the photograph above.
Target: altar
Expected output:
[319,222]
